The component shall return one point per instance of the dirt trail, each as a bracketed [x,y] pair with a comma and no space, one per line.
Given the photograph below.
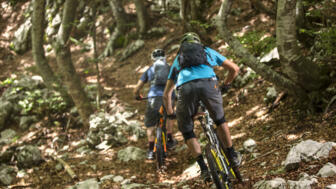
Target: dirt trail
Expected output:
[274,131]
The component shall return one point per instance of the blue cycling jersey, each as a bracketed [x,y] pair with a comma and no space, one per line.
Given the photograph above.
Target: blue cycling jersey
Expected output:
[196,72]
[155,90]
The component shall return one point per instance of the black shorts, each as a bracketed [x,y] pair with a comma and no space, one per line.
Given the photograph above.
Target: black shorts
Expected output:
[152,115]
[189,95]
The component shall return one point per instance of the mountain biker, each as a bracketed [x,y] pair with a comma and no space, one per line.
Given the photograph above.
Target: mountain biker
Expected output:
[199,83]
[157,76]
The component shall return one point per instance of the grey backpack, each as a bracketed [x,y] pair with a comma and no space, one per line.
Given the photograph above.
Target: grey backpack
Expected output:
[161,72]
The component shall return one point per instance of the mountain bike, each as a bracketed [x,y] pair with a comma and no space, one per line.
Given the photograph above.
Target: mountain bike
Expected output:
[160,141]
[219,165]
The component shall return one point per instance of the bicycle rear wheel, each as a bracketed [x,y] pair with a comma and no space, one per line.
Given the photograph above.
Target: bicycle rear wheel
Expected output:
[219,177]
[159,148]
[234,172]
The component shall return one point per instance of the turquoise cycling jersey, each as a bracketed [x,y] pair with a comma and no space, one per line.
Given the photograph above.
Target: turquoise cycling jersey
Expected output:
[196,72]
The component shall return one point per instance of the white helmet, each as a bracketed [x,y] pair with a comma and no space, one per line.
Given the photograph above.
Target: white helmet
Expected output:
[157,53]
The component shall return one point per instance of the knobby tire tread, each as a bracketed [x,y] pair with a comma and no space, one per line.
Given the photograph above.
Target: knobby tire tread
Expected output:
[236,171]
[213,169]
[159,149]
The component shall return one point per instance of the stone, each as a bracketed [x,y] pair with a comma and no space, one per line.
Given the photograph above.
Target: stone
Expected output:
[107,177]
[191,172]
[7,136]
[22,174]
[277,183]
[131,153]
[26,121]
[126,181]
[28,156]
[328,170]
[134,128]
[157,31]
[118,178]
[52,28]
[103,146]
[332,186]
[133,185]
[272,55]
[7,175]
[83,150]
[304,182]
[103,128]
[21,42]
[87,184]
[250,145]
[270,95]
[306,151]
[6,108]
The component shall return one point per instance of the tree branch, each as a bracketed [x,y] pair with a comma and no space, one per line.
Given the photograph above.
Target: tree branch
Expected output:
[69,14]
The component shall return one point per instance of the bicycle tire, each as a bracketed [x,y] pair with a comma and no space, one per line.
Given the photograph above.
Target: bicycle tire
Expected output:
[234,171]
[159,148]
[221,181]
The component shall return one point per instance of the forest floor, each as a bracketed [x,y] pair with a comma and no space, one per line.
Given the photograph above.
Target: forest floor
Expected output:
[274,131]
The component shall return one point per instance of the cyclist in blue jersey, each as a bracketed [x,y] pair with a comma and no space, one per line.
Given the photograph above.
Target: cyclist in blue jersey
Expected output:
[156,75]
[198,82]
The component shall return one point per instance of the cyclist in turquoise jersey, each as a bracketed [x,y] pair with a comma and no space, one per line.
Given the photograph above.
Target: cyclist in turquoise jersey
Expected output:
[197,83]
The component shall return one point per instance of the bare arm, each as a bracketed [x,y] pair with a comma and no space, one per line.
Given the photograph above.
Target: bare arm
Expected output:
[138,87]
[167,96]
[233,71]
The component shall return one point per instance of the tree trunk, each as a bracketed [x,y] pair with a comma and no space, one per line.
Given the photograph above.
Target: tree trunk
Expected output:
[194,11]
[95,53]
[52,82]
[119,15]
[248,59]
[142,16]
[63,58]
[299,69]
[183,14]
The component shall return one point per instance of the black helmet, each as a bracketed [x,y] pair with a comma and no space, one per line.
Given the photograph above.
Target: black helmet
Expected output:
[191,37]
[158,53]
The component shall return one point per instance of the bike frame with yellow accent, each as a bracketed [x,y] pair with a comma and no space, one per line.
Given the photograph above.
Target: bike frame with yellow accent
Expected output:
[218,162]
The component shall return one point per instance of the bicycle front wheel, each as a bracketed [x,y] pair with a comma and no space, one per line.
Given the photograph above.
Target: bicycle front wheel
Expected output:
[159,148]
[217,171]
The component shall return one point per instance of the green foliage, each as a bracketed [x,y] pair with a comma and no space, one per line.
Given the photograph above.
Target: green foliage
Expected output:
[32,97]
[121,41]
[198,23]
[41,101]
[280,170]
[256,43]
[6,82]
[326,41]
[84,47]
[11,46]
[174,15]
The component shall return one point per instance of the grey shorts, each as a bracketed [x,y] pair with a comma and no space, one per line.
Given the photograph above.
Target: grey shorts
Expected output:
[152,115]
[189,95]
